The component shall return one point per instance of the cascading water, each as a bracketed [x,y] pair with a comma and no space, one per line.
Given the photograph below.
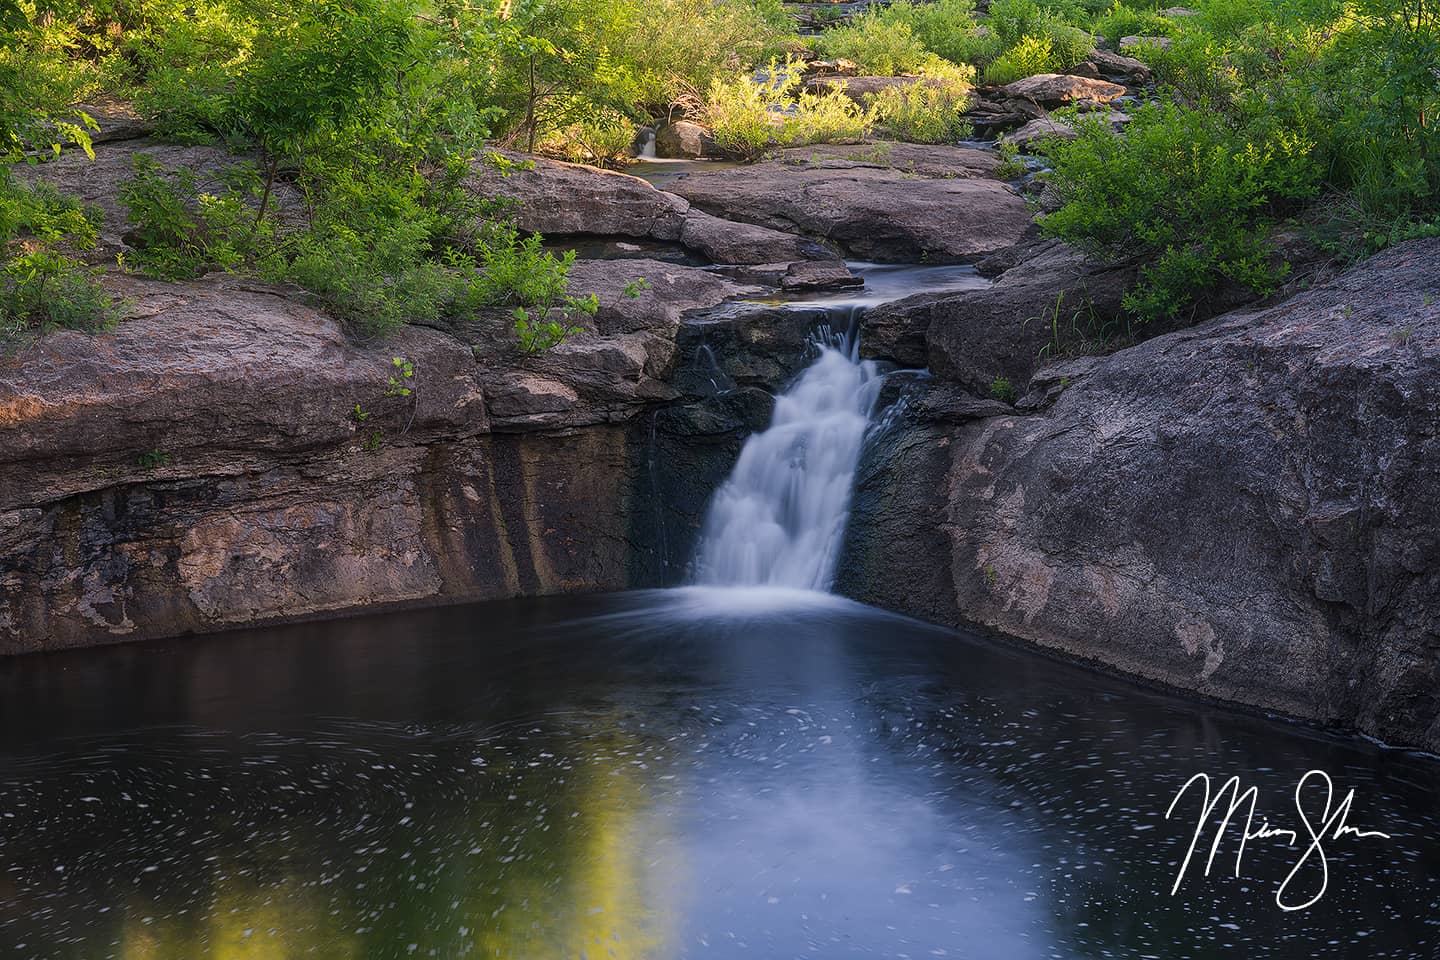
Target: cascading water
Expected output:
[779,520]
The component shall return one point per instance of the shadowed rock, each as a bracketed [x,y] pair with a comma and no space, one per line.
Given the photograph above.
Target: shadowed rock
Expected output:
[1245,508]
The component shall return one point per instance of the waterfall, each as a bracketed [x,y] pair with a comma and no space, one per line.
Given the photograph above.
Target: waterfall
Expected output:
[779,520]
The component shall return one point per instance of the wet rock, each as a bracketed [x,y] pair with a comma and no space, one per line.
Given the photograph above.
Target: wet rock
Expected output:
[1243,509]
[1057,90]
[871,211]
[815,275]
[684,140]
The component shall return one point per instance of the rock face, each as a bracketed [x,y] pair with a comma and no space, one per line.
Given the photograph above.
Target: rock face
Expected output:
[1247,508]
[567,199]
[1039,130]
[869,208]
[1045,290]
[228,455]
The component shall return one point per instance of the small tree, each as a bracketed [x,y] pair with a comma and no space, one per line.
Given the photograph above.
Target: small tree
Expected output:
[321,74]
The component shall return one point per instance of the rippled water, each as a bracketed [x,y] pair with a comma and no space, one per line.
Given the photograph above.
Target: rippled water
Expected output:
[690,773]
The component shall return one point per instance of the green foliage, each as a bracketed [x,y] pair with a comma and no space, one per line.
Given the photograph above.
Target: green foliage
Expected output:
[1002,389]
[923,112]
[1030,56]
[880,43]
[41,285]
[1121,20]
[1182,189]
[182,230]
[749,115]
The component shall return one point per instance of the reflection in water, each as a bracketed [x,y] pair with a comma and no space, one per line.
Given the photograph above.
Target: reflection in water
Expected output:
[673,774]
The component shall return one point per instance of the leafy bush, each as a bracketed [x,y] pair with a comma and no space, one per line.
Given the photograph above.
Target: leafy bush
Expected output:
[1124,21]
[182,231]
[923,112]
[1182,190]
[1030,56]
[40,286]
[749,115]
[880,45]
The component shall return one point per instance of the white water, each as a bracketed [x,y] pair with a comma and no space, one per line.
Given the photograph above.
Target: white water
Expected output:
[779,520]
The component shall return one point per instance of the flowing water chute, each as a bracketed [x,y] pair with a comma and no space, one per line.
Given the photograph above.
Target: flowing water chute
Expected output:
[779,519]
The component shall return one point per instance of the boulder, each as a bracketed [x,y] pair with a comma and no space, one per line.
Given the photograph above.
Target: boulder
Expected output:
[1245,509]
[875,212]
[862,89]
[839,67]
[98,182]
[684,140]
[1057,90]
[559,199]
[555,198]
[1118,67]
[918,159]
[1085,68]
[1038,130]
[732,242]
[1140,43]
[818,275]
[1045,292]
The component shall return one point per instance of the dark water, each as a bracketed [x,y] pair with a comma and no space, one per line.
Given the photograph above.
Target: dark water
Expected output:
[683,774]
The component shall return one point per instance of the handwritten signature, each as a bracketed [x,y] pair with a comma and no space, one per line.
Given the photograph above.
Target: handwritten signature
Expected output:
[1332,825]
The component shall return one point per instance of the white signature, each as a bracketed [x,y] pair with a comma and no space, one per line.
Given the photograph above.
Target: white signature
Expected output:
[1333,825]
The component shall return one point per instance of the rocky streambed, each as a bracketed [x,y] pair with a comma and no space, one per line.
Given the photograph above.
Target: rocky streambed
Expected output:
[1247,508]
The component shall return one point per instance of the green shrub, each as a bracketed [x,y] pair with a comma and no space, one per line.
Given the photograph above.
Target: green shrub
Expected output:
[828,117]
[749,116]
[1184,191]
[1030,56]
[880,45]
[41,286]
[1124,21]
[923,112]
[182,231]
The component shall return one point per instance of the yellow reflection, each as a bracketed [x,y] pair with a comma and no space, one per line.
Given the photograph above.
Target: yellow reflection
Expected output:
[617,897]
[244,922]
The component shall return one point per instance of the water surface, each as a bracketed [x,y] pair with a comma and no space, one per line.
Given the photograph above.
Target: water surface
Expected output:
[692,773]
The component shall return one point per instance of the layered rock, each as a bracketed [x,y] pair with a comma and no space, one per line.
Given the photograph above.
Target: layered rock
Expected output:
[229,455]
[559,199]
[947,209]
[1046,295]
[1246,509]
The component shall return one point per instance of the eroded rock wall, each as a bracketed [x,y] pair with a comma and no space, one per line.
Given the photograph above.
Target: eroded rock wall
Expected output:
[1249,509]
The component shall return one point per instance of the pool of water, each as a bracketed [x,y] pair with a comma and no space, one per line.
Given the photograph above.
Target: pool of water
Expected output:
[694,773]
